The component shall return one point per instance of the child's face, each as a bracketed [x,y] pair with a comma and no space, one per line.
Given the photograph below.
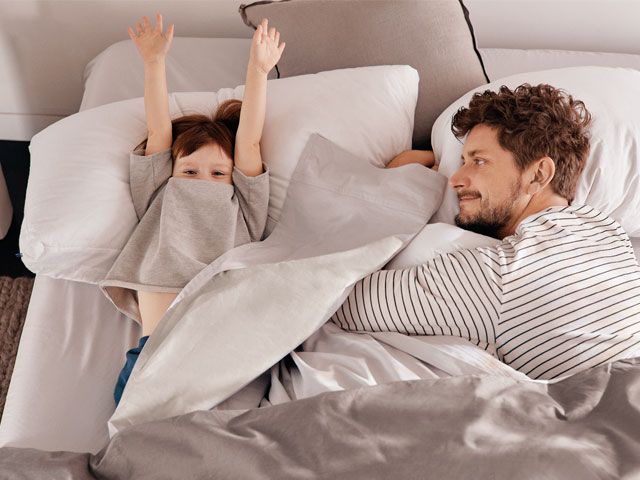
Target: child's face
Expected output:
[209,162]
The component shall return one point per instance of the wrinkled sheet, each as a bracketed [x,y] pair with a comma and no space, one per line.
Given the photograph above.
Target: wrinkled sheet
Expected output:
[586,426]
[332,359]
[343,218]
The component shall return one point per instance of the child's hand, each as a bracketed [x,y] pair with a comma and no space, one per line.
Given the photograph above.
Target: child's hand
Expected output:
[265,52]
[152,44]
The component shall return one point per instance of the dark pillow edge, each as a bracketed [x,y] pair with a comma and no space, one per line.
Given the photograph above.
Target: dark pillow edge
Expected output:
[467,18]
[243,7]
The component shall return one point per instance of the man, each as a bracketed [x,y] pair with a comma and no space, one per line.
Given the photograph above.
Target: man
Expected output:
[561,293]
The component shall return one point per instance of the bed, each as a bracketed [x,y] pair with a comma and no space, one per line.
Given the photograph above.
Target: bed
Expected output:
[73,343]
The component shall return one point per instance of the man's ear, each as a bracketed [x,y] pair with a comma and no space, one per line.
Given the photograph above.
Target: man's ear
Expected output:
[543,172]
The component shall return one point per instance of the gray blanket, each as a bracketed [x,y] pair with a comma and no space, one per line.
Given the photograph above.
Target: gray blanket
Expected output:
[584,427]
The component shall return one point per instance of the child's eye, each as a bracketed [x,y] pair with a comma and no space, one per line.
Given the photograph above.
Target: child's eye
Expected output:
[218,173]
[189,171]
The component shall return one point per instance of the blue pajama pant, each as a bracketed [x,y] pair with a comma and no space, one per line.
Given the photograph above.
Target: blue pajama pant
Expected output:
[132,356]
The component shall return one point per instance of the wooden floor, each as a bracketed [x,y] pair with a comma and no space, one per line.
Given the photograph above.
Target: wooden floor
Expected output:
[14,158]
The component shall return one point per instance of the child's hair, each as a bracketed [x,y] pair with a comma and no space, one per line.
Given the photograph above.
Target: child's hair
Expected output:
[191,132]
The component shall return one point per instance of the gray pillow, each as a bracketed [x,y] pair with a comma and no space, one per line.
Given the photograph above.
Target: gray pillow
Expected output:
[433,36]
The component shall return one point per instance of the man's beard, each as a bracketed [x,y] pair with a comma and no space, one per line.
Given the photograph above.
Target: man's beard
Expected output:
[490,220]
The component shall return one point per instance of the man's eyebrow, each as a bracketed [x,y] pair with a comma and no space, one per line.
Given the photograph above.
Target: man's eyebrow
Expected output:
[473,152]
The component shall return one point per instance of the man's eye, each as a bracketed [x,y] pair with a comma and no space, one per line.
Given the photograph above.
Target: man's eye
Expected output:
[218,173]
[189,171]
[479,161]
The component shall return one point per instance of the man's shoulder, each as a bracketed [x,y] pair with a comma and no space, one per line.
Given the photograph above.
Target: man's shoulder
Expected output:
[570,217]
[578,226]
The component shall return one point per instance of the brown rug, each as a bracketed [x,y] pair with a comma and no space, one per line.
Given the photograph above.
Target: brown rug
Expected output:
[14,299]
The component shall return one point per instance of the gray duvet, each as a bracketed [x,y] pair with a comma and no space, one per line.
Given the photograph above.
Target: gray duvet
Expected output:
[584,427]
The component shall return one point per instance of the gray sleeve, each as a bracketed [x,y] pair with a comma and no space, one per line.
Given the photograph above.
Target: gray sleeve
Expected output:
[146,174]
[253,199]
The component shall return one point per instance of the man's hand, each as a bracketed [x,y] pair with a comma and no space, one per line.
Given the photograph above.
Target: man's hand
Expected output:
[422,157]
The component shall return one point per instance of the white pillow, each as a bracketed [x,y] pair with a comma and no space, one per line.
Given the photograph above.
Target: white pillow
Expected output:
[611,179]
[78,209]
[437,239]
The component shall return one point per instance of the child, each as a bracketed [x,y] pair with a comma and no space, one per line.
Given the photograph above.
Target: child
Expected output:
[198,185]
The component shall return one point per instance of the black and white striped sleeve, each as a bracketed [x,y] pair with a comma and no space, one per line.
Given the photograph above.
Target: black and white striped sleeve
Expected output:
[456,293]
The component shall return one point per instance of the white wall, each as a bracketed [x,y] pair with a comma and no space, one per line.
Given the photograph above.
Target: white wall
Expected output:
[45,44]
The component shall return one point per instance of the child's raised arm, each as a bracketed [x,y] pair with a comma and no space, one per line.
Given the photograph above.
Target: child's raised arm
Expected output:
[153,46]
[265,53]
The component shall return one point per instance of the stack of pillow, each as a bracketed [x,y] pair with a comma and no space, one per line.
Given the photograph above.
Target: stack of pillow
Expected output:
[78,209]
[79,212]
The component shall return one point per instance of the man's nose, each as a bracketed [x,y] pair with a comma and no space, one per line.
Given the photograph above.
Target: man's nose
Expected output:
[459,179]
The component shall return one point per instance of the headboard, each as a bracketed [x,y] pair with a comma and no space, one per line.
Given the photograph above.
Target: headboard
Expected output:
[45,45]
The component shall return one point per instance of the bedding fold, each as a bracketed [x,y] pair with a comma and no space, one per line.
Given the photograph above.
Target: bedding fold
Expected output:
[343,218]
[481,426]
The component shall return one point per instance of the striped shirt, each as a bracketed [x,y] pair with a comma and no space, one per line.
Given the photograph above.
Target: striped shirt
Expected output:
[560,295]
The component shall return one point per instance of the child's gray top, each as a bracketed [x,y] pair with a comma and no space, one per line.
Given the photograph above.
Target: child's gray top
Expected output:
[184,224]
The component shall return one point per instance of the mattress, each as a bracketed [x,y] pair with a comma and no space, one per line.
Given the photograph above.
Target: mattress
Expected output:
[71,349]
[73,342]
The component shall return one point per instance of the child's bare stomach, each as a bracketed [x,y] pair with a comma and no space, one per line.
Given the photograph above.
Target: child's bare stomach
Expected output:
[152,307]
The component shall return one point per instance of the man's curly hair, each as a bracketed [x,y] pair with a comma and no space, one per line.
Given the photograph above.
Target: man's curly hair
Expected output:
[533,122]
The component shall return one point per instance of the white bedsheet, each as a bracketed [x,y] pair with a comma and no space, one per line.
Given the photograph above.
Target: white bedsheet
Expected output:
[73,342]
[71,350]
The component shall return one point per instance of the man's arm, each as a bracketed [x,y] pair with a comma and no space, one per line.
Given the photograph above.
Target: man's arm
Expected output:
[422,157]
[457,294]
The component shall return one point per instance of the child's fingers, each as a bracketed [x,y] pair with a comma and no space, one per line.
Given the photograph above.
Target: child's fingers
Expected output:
[131,33]
[170,32]
[277,38]
[145,22]
[281,48]
[139,28]
[159,22]
[272,33]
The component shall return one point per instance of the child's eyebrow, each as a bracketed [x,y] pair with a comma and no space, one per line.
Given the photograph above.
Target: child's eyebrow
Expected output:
[190,164]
